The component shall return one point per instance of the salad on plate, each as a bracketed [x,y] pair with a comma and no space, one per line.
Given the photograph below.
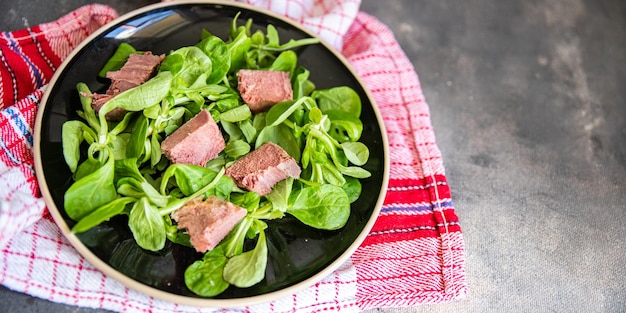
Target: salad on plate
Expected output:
[202,146]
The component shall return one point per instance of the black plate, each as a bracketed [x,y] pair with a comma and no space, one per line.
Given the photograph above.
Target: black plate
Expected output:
[298,255]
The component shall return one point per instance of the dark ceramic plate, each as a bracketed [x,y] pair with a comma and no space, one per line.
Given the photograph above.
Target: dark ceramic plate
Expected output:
[299,256]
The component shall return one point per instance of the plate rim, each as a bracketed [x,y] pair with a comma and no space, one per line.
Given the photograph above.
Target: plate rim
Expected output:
[176,298]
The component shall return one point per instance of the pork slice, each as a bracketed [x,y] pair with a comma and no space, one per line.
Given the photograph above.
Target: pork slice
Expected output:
[118,86]
[261,89]
[98,100]
[136,71]
[195,142]
[262,168]
[208,222]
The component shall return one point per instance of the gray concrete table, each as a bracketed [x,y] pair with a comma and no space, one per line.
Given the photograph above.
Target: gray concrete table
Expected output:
[528,103]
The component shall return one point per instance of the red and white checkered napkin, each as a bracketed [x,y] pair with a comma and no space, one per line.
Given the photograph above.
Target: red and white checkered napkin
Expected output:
[413,255]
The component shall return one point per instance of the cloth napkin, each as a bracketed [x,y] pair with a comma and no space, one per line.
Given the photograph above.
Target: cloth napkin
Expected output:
[413,255]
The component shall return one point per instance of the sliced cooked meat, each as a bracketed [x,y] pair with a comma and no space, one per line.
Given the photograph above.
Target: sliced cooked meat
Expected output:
[118,86]
[99,100]
[195,142]
[262,89]
[208,222]
[136,71]
[262,168]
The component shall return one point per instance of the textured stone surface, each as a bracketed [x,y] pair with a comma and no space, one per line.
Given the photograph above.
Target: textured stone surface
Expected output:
[528,103]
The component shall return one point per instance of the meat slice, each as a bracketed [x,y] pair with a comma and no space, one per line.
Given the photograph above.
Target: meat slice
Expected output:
[136,71]
[261,89]
[195,142]
[208,222]
[262,168]
[98,100]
